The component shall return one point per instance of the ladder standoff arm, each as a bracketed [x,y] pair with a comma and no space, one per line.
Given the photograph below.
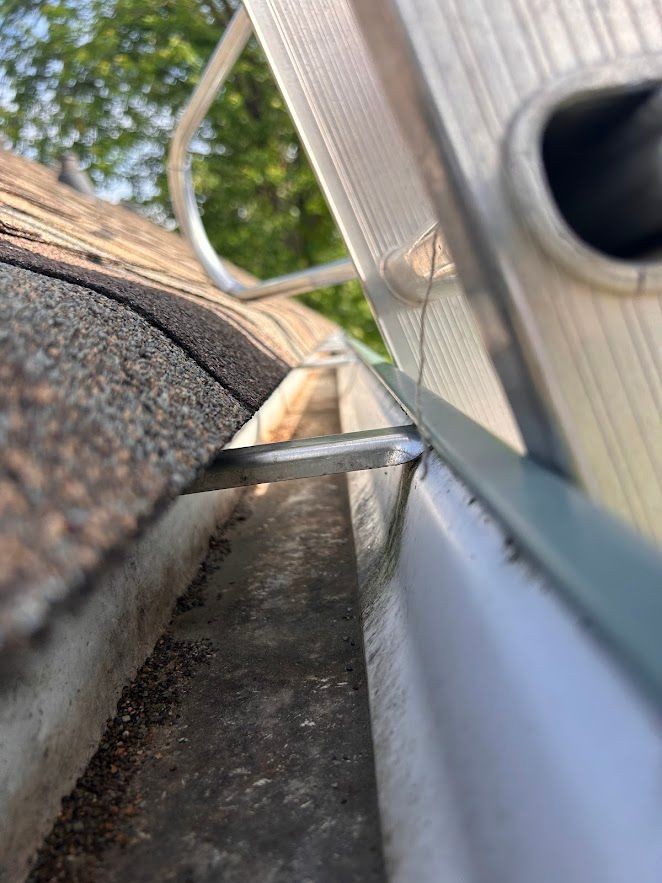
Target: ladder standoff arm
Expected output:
[182,194]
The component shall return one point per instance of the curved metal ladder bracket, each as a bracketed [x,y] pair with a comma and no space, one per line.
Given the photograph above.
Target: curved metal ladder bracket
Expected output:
[182,193]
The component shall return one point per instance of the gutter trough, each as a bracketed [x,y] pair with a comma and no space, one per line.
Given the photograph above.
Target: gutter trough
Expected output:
[515,734]
[56,695]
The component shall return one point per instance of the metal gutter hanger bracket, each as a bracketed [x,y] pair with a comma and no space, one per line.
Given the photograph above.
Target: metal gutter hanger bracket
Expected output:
[311,457]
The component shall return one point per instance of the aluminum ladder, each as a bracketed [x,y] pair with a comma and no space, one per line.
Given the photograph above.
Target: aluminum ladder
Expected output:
[423,121]
[537,128]
[368,175]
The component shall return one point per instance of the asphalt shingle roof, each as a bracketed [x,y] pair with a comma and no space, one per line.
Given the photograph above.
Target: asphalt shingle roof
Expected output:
[122,372]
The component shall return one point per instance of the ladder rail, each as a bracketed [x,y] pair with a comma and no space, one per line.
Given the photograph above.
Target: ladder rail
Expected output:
[372,185]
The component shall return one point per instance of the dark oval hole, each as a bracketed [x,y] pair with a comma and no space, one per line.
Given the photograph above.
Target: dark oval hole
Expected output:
[603,159]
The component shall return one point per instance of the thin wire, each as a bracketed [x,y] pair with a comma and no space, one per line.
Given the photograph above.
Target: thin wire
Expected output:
[422,350]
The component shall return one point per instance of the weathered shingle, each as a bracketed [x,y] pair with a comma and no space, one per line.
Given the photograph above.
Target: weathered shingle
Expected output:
[118,382]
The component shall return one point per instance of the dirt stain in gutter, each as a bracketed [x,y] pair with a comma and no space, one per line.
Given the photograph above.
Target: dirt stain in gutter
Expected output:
[94,816]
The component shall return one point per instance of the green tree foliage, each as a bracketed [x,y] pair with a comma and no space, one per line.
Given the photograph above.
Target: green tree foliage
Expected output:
[107,79]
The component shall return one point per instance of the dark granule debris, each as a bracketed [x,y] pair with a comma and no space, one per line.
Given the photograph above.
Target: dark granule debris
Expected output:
[92,816]
[194,596]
